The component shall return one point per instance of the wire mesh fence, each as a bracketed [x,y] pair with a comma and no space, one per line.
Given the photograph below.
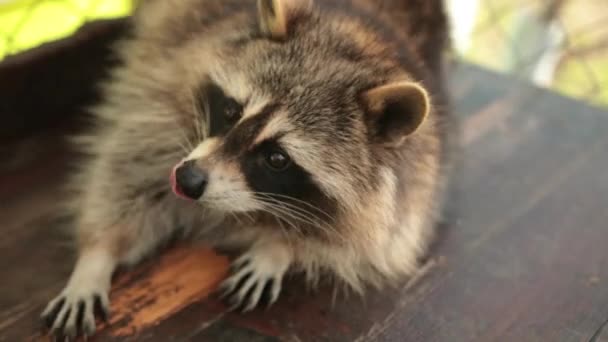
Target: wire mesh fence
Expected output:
[558,44]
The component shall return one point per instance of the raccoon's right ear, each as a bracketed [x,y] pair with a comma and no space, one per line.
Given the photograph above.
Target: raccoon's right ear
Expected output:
[276,16]
[395,110]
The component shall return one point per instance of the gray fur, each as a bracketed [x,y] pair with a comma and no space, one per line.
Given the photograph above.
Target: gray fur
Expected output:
[386,198]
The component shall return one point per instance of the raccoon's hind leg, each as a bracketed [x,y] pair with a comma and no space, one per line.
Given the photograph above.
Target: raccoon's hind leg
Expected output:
[256,276]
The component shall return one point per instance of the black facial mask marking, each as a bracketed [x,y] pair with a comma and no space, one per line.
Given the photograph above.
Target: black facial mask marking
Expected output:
[242,136]
[293,181]
[292,185]
[224,111]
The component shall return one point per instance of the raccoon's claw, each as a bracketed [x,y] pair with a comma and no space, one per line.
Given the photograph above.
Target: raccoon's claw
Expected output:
[72,313]
[255,279]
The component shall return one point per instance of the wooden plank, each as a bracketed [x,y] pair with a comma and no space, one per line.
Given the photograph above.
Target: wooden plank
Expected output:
[166,286]
[537,279]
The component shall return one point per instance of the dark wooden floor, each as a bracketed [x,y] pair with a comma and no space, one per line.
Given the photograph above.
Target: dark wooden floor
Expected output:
[524,255]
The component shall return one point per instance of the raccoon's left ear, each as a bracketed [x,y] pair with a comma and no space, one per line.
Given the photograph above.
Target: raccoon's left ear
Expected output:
[277,16]
[395,110]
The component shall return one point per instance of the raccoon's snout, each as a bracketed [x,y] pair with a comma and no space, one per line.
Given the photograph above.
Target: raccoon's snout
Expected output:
[189,180]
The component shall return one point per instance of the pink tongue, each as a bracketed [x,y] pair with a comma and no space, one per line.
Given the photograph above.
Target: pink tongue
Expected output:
[175,187]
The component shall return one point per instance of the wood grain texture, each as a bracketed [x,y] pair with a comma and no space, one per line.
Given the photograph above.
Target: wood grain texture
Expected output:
[143,297]
[523,255]
[182,276]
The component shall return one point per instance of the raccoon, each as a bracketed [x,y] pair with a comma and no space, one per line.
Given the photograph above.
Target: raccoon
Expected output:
[310,135]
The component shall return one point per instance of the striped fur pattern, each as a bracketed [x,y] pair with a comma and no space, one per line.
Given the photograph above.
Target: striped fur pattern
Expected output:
[348,93]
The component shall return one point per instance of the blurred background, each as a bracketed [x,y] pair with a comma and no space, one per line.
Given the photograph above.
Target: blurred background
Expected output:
[558,44]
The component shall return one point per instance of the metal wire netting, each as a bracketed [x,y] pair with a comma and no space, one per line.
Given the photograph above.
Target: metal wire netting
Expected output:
[558,44]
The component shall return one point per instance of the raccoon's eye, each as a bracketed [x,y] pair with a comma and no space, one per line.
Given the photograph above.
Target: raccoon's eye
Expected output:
[232,110]
[277,160]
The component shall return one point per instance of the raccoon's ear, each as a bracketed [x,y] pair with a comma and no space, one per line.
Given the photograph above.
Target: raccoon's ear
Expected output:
[395,110]
[276,16]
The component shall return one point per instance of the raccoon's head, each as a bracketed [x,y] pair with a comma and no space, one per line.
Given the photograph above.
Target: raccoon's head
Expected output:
[304,114]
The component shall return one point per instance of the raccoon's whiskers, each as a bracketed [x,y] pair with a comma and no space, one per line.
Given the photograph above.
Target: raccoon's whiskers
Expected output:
[229,197]
[295,208]
[299,214]
[184,136]
[280,218]
[283,211]
[278,212]
[321,211]
[200,106]
[206,120]
[197,112]
[236,218]
[183,147]
[179,142]
[284,231]
[282,207]
[248,216]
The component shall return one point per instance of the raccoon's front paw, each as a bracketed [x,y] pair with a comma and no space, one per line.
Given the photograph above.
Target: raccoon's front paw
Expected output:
[73,311]
[256,277]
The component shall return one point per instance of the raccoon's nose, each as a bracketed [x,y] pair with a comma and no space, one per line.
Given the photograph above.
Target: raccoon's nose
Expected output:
[190,180]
